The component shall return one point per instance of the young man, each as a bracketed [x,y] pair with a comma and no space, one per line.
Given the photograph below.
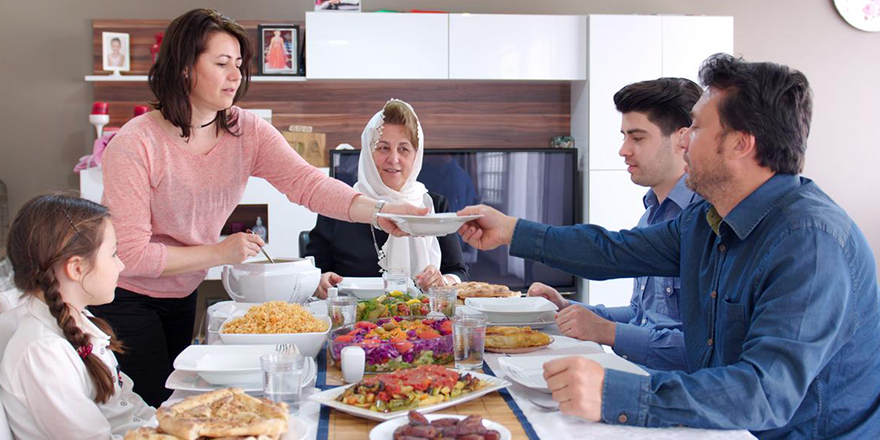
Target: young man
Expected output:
[782,308]
[655,114]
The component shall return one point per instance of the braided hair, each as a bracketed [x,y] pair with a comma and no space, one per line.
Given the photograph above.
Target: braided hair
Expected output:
[48,230]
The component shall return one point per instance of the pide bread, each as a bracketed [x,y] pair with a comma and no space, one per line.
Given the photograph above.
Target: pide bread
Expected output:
[224,413]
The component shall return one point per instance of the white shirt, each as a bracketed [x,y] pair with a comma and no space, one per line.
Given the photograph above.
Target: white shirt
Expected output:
[47,391]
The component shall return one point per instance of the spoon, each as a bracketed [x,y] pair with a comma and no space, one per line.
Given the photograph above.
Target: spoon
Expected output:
[262,249]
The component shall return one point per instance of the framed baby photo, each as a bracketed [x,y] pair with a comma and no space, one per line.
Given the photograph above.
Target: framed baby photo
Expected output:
[279,51]
[115,51]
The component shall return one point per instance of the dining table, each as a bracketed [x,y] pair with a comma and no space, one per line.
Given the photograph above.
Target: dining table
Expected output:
[529,414]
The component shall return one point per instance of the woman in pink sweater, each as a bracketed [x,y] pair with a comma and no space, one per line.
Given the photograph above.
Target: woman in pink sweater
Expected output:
[173,176]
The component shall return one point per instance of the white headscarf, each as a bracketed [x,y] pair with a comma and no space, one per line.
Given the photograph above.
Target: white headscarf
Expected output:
[410,253]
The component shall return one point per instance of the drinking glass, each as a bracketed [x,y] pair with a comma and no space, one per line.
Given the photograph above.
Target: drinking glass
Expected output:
[395,280]
[282,377]
[442,300]
[468,336]
[342,310]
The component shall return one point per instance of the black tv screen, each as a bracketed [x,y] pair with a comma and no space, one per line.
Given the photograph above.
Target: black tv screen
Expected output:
[535,184]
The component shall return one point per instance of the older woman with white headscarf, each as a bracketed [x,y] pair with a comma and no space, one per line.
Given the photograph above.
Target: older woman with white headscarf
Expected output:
[392,147]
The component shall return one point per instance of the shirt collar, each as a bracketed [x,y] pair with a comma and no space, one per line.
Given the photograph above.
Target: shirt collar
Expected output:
[681,195]
[748,213]
[41,312]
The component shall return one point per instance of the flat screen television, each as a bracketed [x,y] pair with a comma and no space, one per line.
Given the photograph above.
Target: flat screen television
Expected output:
[535,184]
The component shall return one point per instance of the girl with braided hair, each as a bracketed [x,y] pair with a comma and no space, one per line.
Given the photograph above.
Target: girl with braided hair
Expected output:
[59,377]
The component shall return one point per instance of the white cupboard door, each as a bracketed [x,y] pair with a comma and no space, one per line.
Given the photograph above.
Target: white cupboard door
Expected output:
[377,46]
[688,40]
[615,204]
[623,49]
[518,47]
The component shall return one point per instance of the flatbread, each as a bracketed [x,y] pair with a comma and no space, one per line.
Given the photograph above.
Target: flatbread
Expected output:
[479,289]
[155,434]
[227,412]
[502,339]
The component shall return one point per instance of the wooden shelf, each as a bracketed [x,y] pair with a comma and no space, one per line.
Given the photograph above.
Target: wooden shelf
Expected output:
[143,78]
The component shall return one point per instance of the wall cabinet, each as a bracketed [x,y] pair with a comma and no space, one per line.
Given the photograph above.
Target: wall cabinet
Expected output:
[377,46]
[511,47]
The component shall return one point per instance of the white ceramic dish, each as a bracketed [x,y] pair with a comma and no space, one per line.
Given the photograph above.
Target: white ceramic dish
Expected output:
[528,371]
[328,398]
[541,321]
[257,281]
[223,364]
[439,224]
[191,381]
[309,344]
[368,287]
[507,310]
[385,430]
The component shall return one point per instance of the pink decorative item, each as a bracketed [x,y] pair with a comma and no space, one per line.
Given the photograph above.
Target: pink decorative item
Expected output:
[99,116]
[94,159]
[154,49]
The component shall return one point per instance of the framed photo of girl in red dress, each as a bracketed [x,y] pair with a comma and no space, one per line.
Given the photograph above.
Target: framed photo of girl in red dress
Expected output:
[279,49]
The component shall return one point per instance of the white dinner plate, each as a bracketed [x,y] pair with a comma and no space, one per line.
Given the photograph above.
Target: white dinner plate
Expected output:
[223,364]
[506,310]
[191,381]
[540,321]
[385,430]
[439,224]
[528,371]
[328,398]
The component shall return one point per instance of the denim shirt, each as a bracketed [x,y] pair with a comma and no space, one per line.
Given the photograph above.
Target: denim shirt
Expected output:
[648,331]
[781,313]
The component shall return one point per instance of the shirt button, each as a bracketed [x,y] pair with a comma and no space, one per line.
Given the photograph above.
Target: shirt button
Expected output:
[714,294]
[642,287]
[625,357]
[644,321]
[102,351]
[722,247]
[669,290]
[711,342]
[123,403]
[622,418]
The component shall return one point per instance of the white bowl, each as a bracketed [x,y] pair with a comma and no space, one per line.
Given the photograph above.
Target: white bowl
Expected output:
[369,287]
[309,344]
[440,224]
[385,430]
[291,280]
[224,364]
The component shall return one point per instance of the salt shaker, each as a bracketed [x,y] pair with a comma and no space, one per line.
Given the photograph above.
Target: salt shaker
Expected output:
[353,360]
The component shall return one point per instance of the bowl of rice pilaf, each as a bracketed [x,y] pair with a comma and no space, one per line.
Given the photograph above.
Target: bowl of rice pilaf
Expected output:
[277,322]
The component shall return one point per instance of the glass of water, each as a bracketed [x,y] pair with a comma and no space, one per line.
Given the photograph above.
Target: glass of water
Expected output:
[395,280]
[442,300]
[468,336]
[282,378]
[342,310]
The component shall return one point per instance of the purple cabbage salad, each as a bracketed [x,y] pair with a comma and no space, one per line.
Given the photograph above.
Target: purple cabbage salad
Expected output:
[386,351]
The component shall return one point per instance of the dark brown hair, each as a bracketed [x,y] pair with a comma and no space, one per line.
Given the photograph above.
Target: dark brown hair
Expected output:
[666,101]
[48,230]
[770,101]
[185,39]
[396,112]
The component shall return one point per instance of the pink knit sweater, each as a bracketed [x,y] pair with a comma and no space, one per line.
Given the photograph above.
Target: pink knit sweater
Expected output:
[160,194]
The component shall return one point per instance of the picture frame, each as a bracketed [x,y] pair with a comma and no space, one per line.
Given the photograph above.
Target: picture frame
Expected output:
[116,52]
[338,5]
[279,49]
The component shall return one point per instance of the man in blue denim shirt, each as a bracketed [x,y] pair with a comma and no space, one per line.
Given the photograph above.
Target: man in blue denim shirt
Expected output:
[654,116]
[781,311]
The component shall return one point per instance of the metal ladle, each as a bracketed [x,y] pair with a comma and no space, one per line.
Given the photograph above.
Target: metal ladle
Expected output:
[262,249]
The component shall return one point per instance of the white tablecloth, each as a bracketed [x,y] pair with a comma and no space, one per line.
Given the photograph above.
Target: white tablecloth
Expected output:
[548,424]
